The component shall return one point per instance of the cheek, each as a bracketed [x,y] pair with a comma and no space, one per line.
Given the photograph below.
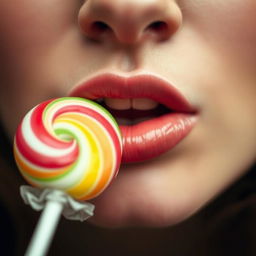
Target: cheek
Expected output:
[228,25]
[29,25]
[30,32]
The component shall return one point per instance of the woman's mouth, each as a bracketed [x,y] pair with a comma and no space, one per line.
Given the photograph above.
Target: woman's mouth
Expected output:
[133,111]
[152,115]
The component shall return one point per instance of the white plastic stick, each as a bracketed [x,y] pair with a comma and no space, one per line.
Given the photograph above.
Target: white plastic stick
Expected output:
[45,229]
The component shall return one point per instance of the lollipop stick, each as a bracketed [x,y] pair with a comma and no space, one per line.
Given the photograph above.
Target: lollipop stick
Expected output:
[45,229]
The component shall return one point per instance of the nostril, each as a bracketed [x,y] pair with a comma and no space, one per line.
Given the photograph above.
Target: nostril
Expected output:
[99,27]
[160,29]
[157,26]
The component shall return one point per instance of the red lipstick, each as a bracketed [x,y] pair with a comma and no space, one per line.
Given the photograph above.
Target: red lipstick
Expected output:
[150,138]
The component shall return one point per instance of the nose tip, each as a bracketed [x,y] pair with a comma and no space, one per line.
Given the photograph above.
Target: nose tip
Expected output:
[129,21]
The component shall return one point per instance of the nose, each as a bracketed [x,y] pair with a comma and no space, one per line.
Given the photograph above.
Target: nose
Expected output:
[129,21]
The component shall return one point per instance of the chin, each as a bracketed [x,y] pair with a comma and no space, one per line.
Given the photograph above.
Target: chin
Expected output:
[150,214]
[122,206]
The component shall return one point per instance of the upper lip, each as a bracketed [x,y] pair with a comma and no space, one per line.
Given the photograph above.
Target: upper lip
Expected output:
[110,85]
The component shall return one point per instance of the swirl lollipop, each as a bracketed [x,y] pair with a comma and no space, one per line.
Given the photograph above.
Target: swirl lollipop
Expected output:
[69,144]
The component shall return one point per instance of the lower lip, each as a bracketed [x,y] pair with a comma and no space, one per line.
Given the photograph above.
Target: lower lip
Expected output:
[156,136]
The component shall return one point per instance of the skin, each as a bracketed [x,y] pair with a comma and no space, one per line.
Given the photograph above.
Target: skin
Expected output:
[206,48]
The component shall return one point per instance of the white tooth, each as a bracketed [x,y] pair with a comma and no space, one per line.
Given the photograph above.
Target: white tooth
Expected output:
[144,104]
[120,104]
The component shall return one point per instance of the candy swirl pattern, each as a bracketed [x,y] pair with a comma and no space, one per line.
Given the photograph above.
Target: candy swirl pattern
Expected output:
[71,144]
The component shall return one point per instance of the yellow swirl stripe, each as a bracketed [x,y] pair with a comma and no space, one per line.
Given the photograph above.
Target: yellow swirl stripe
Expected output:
[101,165]
[107,155]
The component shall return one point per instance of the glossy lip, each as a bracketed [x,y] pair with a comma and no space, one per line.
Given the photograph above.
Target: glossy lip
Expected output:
[153,137]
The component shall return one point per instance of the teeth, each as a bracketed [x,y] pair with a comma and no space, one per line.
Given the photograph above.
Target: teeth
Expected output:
[119,104]
[123,104]
[144,104]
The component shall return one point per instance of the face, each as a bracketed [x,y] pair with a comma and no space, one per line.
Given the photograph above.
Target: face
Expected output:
[205,52]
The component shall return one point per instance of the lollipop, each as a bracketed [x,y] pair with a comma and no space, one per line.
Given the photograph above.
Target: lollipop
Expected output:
[69,144]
